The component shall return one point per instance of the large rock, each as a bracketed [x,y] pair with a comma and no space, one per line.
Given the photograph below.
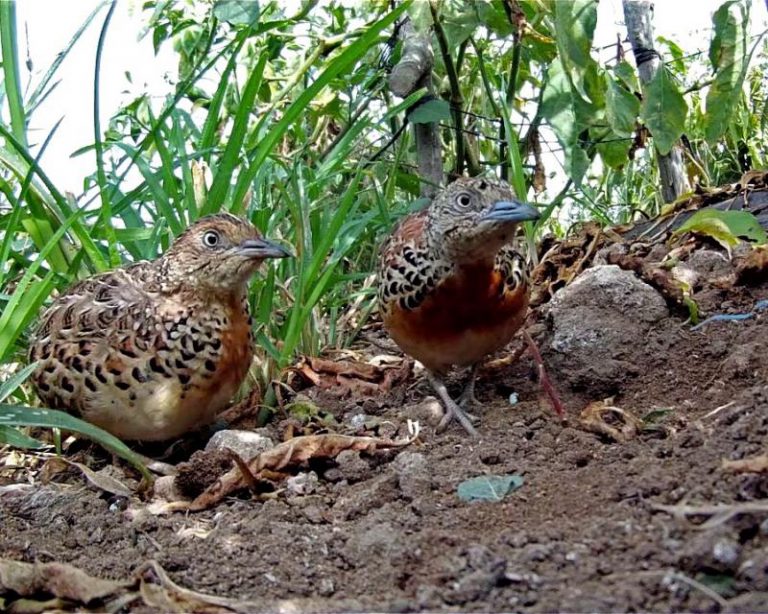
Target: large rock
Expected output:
[598,323]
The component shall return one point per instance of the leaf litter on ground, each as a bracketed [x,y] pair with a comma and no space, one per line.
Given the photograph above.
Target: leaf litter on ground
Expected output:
[290,453]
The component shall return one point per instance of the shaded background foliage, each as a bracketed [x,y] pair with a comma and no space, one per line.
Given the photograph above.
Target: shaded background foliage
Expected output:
[286,118]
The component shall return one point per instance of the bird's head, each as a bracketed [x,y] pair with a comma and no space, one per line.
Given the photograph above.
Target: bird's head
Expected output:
[472,218]
[218,253]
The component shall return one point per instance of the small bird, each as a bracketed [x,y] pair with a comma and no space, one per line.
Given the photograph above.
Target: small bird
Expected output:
[451,287]
[154,349]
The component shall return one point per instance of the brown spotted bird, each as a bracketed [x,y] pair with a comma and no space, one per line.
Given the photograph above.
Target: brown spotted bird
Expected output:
[154,349]
[452,289]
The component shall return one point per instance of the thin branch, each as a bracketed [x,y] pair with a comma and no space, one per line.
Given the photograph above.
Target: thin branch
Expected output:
[453,80]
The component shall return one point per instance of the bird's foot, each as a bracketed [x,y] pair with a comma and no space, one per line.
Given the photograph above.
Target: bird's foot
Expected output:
[468,398]
[452,409]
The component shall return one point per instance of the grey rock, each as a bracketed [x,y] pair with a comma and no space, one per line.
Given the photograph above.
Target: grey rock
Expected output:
[596,322]
[245,444]
[304,483]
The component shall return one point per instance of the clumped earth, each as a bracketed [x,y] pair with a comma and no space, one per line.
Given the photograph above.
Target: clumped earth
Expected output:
[601,522]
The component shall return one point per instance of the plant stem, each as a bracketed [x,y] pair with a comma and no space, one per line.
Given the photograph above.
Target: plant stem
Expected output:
[9,44]
[106,207]
[453,81]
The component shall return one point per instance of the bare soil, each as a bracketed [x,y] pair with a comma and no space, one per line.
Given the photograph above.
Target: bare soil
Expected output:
[388,532]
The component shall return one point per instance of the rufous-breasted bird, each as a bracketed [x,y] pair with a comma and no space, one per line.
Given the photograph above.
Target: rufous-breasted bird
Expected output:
[451,287]
[154,349]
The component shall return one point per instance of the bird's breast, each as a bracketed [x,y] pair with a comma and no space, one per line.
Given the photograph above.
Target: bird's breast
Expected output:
[466,316]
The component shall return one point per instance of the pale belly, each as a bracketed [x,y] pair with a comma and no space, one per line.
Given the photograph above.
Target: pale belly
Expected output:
[162,410]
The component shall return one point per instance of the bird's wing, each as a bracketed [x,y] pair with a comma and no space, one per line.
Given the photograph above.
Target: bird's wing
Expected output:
[100,306]
[92,334]
[513,271]
[408,270]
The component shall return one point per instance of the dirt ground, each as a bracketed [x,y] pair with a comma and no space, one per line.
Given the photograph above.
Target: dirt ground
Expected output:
[587,531]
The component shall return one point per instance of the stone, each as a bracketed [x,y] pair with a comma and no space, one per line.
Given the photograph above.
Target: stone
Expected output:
[595,325]
[246,444]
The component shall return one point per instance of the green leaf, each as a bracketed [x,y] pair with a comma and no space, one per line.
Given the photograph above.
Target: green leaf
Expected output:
[431,111]
[562,109]
[459,20]
[491,488]
[663,110]
[729,56]
[621,107]
[15,380]
[13,437]
[237,12]
[494,17]
[575,23]
[19,415]
[725,227]
[624,71]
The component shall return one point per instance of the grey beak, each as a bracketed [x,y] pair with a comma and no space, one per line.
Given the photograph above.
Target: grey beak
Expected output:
[261,248]
[511,211]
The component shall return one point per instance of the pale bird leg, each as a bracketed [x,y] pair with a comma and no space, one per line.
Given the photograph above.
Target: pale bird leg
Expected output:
[452,410]
[468,398]
[544,381]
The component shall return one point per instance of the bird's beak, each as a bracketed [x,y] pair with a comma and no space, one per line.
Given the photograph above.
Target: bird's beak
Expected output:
[261,248]
[511,211]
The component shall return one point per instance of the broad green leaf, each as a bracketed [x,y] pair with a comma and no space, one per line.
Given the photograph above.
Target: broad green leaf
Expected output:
[459,20]
[19,415]
[725,227]
[621,107]
[560,105]
[435,110]
[624,71]
[729,56]
[575,23]
[612,149]
[663,110]
[728,225]
[491,488]
[237,12]
[494,17]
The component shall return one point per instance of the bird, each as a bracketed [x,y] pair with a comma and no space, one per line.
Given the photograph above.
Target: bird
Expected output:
[452,288]
[154,349]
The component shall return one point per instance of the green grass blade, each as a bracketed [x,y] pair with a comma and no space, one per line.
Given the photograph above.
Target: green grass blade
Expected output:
[106,199]
[41,91]
[229,160]
[344,61]
[16,380]
[20,415]
[13,437]
[12,85]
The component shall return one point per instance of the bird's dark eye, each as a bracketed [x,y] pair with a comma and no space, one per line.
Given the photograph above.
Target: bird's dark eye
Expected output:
[464,200]
[211,238]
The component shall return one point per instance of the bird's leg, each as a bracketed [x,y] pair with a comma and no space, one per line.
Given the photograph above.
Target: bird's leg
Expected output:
[544,381]
[468,398]
[452,410]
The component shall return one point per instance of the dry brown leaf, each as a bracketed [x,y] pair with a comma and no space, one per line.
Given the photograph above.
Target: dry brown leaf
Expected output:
[58,579]
[159,591]
[102,480]
[292,452]
[593,418]
[755,464]
[351,378]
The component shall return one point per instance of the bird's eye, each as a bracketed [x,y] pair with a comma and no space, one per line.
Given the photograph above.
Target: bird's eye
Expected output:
[211,238]
[464,200]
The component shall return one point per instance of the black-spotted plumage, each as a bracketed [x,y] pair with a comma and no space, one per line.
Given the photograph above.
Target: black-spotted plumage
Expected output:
[451,286]
[153,349]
